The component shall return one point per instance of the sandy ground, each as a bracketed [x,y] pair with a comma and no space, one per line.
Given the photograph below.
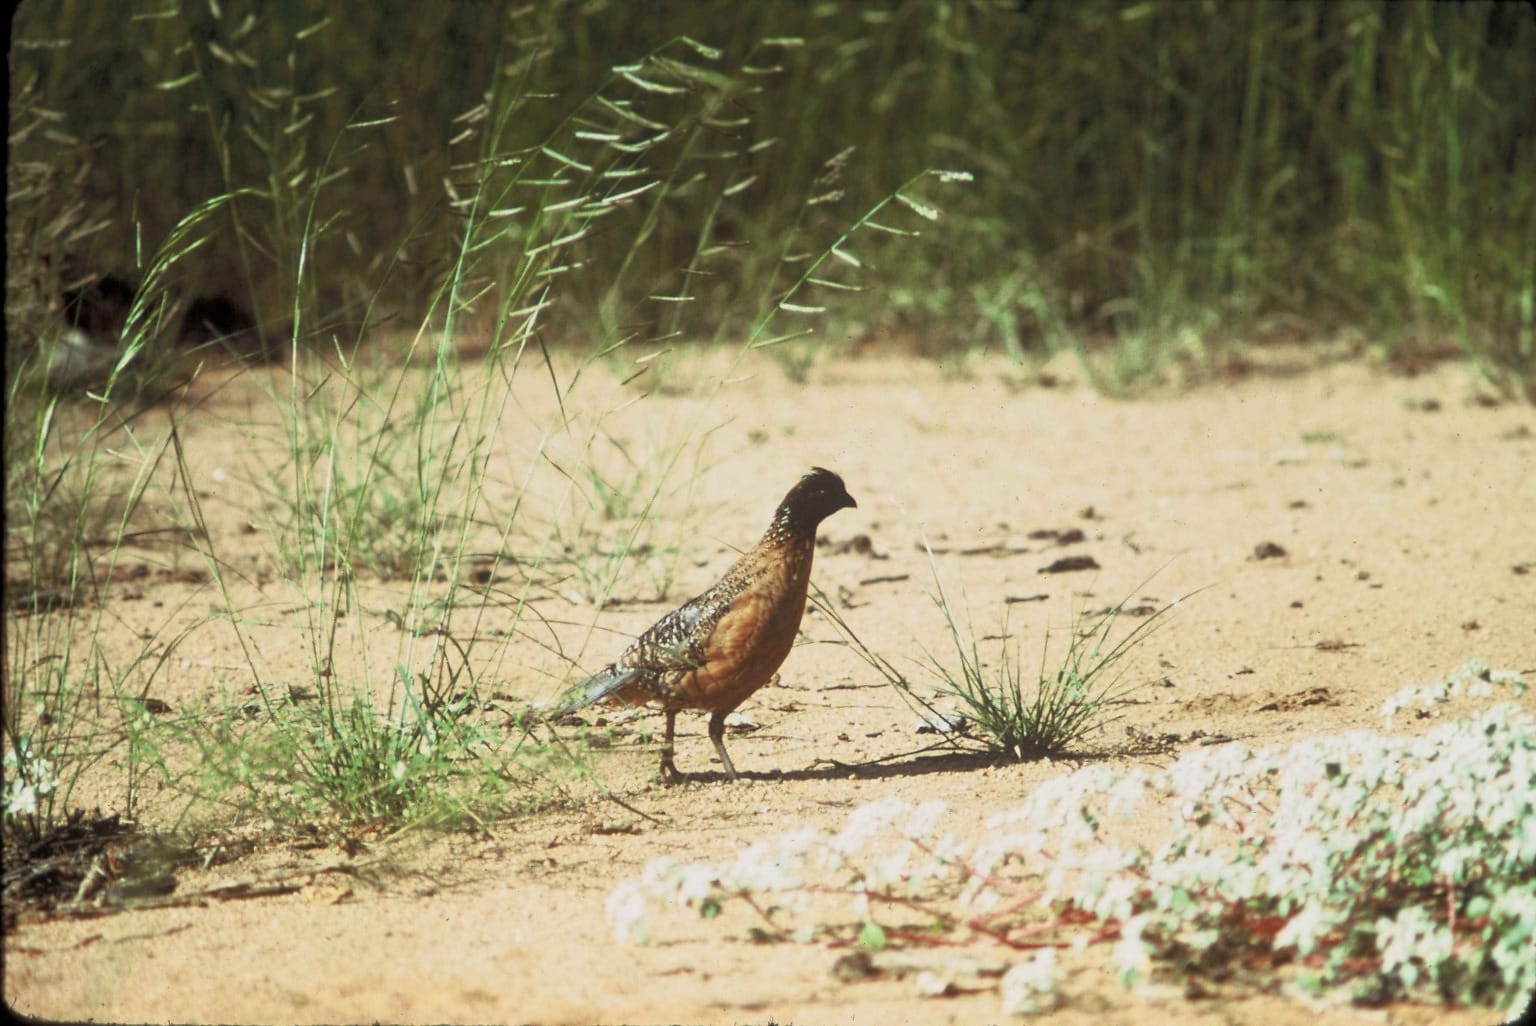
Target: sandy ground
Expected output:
[1402,506]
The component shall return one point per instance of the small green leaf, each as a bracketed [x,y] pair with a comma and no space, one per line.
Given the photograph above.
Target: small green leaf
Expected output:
[872,937]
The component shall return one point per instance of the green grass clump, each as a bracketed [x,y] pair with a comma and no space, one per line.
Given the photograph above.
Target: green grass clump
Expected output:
[336,762]
[1057,710]
[1007,711]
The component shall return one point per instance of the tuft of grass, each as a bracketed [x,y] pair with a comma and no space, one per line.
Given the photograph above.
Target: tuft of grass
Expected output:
[827,260]
[1051,713]
[337,763]
[388,726]
[1063,705]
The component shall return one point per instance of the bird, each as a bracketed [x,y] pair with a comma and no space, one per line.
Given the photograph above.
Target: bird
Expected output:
[714,651]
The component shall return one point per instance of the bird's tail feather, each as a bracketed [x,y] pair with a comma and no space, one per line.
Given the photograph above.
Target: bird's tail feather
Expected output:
[594,688]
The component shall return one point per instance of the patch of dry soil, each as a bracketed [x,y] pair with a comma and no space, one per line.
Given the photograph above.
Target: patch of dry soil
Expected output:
[1341,533]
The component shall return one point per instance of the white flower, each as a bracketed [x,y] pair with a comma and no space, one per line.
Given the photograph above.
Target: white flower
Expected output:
[771,867]
[1276,828]
[1031,987]
[1131,958]
[924,819]
[20,798]
[656,871]
[626,909]
[1126,795]
[886,872]
[865,822]
[691,885]
[1303,929]
[28,778]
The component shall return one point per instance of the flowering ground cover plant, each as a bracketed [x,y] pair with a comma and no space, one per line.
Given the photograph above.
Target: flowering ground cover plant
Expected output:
[1364,866]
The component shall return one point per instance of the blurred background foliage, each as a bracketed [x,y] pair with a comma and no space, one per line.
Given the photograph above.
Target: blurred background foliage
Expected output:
[1162,179]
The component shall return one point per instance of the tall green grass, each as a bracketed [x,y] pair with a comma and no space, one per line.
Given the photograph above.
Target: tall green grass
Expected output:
[1166,178]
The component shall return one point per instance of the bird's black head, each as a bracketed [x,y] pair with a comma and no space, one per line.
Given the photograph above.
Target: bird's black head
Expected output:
[814,497]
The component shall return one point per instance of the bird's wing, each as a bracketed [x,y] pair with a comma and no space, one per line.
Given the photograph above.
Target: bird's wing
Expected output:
[673,645]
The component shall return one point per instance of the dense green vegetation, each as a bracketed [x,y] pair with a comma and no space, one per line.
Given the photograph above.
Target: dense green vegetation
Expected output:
[1171,176]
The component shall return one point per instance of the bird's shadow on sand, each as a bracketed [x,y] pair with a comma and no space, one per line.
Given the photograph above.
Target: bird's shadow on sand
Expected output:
[888,769]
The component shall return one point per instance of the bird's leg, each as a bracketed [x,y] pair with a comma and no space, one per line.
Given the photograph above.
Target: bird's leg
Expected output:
[669,773]
[717,735]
